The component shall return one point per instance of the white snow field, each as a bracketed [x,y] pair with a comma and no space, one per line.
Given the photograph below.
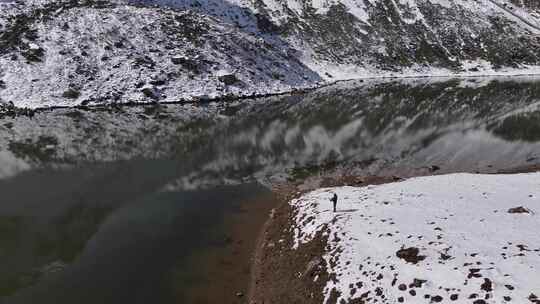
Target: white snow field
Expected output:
[459,238]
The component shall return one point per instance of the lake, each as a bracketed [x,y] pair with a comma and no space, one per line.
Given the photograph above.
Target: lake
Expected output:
[162,203]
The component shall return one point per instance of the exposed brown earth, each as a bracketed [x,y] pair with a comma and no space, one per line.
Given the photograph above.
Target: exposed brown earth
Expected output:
[281,274]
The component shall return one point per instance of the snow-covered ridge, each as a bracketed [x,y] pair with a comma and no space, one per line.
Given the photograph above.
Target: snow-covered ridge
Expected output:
[459,238]
[93,52]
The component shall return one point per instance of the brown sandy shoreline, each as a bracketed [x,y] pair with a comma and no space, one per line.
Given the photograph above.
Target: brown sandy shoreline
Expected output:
[226,270]
[281,275]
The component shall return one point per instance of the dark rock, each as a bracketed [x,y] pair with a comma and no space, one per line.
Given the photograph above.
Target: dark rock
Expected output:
[487,285]
[144,61]
[474,273]
[445,257]
[434,168]
[410,255]
[71,94]
[149,91]
[228,79]
[265,24]
[179,60]
[158,82]
[417,283]
[34,54]
[519,209]
[187,63]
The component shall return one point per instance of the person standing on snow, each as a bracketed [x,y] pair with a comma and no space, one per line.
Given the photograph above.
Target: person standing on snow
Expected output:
[334,200]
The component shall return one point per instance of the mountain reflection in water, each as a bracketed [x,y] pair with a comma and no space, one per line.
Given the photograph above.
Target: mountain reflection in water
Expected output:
[99,205]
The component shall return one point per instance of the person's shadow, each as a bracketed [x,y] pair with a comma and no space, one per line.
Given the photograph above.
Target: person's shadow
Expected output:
[347,210]
[341,211]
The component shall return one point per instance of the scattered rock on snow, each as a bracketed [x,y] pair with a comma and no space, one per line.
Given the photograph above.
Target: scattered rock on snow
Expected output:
[410,255]
[460,258]
[71,93]
[150,91]
[227,78]
[519,209]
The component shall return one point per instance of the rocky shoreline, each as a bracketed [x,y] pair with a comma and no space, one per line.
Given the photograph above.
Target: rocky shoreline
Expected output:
[282,274]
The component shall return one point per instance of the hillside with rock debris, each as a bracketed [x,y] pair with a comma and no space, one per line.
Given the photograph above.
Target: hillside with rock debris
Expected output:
[105,53]
[84,52]
[347,38]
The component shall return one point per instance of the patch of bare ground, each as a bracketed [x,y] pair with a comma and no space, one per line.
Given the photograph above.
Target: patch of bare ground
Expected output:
[281,274]
[522,169]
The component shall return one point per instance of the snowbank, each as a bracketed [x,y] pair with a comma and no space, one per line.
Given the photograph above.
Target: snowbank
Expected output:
[459,238]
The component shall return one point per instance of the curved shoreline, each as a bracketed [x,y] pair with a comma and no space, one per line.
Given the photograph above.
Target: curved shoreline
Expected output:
[534,73]
[281,274]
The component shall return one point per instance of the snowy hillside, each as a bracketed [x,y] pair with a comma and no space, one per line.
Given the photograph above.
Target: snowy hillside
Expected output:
[104,54]
[348,38]
[458,238]
[75,52]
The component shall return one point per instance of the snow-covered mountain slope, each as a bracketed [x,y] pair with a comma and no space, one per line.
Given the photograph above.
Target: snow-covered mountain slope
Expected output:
[367,36]
[461,238]
[74,52]
[108,53]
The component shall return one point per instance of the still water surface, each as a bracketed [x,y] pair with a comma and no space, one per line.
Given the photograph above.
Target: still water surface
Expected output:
[112,205]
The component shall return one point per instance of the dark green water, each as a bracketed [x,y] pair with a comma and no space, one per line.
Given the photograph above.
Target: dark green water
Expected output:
[109,205]
[105,234]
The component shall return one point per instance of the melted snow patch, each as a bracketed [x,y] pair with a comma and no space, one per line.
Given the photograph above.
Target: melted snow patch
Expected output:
[438,239]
